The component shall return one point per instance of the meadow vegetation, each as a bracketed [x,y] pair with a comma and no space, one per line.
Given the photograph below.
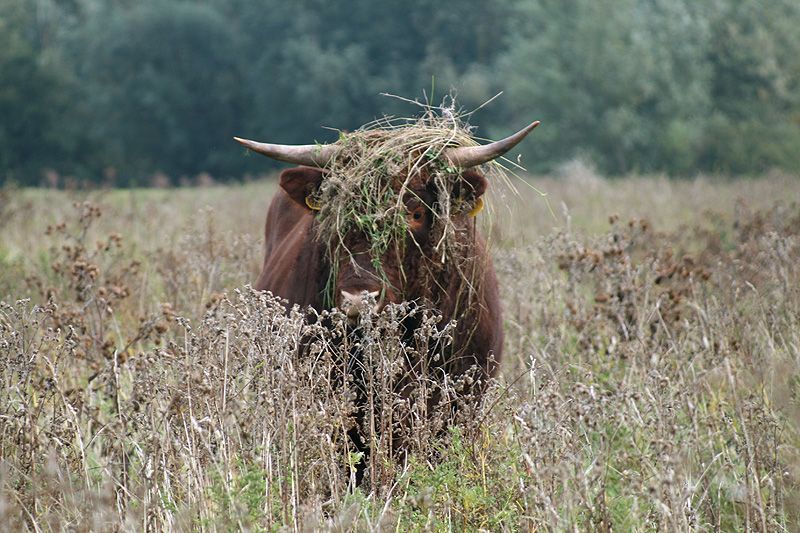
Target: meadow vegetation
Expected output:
[651,377]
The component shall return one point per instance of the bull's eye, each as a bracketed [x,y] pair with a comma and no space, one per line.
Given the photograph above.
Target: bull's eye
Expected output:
[416,218]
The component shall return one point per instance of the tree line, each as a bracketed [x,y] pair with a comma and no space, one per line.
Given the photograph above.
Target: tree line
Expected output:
[120,90]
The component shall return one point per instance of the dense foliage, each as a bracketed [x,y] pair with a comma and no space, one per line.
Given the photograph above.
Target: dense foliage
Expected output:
[121,90]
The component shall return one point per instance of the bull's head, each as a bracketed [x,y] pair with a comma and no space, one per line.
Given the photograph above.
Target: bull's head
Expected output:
[375,271]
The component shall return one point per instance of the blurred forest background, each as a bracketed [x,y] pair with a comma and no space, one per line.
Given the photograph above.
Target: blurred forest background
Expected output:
[120,91]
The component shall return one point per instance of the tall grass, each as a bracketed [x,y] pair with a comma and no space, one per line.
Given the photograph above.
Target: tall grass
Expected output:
[651,374]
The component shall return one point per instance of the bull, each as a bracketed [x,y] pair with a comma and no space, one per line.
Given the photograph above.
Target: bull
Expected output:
[299,267]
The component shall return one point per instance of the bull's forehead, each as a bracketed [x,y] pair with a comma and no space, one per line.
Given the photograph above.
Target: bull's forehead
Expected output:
[370,206]
[398,181]
[417,182]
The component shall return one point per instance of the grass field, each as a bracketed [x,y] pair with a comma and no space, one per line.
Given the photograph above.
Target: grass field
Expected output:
[651,376]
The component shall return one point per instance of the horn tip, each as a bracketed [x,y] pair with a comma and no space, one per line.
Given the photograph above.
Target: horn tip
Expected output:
[247,143]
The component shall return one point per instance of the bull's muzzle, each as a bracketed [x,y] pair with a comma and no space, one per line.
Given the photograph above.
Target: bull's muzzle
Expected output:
[353,304]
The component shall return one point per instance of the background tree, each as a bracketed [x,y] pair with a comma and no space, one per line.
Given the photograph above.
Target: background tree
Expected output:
[34,97]
[755,65]
[165,89]
[617,82]
[148,86]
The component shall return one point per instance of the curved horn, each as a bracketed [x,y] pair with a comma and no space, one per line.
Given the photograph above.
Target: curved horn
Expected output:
[313,155]
[472,156]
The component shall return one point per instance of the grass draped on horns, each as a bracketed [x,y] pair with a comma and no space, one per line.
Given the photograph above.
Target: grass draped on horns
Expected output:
[374,170]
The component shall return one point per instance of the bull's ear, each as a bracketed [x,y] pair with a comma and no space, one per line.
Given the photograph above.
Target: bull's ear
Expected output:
[301,184]
[468,191]
[471,186]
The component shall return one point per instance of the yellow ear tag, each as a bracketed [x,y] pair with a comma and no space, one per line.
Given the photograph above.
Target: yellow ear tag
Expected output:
[314,205]
[478,207]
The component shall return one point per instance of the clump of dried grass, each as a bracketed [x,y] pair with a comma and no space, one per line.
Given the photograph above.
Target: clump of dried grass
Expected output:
[375,169]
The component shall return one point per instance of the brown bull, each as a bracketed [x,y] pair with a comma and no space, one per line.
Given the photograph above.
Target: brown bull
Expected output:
[299,267]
